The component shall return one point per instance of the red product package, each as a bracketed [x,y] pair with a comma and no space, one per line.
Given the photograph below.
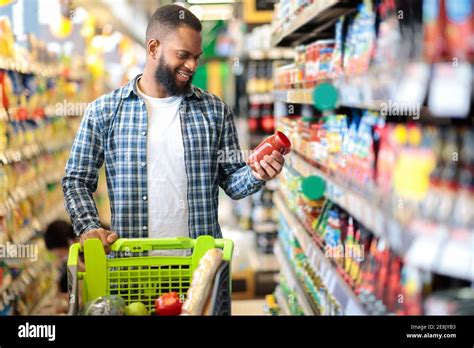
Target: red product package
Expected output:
[459,15]
[434,19]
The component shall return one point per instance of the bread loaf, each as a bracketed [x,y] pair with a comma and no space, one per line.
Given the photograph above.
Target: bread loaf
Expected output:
[201,284]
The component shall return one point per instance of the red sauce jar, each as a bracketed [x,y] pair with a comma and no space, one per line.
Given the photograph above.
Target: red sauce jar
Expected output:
[277,142]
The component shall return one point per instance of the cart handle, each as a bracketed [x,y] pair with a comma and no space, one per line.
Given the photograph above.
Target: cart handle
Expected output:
[137,245]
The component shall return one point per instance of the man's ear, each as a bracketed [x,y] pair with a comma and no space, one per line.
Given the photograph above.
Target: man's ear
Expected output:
[152,48]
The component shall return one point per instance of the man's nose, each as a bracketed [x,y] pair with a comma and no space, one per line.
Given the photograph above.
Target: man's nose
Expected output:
[191,64]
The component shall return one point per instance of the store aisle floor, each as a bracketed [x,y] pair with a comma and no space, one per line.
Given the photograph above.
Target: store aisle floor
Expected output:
[248,307]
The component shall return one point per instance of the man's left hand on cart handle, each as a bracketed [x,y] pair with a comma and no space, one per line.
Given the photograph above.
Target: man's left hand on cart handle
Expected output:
[107,237]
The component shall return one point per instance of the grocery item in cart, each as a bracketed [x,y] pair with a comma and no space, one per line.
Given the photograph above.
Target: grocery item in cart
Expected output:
[198,294]
[168,304]
[136,309]
[105,305]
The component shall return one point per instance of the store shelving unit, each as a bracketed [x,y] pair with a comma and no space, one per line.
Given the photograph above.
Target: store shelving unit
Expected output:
[271,54]
[320,15]
[292,279]
[26,67]
[36,200]
[370,90]
[349,302]
[282,302]
[295,96]
[442,251]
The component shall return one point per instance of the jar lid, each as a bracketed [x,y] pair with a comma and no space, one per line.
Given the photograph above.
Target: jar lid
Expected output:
[282,139]
[313,187]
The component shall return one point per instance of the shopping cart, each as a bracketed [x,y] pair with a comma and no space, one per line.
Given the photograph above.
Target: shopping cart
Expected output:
[145,278]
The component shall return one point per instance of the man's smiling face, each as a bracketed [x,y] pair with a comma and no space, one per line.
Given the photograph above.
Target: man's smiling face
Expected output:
[178,59]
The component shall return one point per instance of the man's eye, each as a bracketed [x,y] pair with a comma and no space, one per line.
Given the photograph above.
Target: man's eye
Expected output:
[182,56]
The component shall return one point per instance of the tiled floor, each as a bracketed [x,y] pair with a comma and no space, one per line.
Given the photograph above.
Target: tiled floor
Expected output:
[248,307]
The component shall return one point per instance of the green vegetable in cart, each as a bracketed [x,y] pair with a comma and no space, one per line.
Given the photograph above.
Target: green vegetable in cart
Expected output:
[136,308]
[105,305]
[168,304]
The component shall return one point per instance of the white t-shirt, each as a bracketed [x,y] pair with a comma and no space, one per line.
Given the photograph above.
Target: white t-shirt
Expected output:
[166,172]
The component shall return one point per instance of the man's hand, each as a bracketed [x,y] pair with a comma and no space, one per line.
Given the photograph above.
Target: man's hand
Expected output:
[269,167]
[107,237]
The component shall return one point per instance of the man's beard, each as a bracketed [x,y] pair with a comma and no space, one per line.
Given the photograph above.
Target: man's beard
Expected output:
[166,77]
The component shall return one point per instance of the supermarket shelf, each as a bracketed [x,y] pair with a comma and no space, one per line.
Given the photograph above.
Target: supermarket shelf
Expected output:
[320,15]
[336,285]
[379,89]
[26,67]
[292,279]
[31,151]
[294,96]
[280,297]
[23,236]
[422,244]
[271,54]
[19,194]
[48,296]
[261,98]
[305,95]
[7,282]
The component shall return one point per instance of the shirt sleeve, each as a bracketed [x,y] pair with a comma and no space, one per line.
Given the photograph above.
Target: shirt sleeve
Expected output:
[82,172]
[235,176]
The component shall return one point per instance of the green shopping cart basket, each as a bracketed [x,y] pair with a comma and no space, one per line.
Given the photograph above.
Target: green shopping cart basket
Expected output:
[145,278]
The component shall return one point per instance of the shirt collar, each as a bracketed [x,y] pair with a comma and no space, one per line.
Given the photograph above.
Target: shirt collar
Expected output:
[131,86]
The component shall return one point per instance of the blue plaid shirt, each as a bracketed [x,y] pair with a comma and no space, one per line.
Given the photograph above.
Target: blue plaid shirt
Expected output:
[114,131]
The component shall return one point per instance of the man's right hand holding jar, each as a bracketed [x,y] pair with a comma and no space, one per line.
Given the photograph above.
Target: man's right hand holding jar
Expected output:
[267,159]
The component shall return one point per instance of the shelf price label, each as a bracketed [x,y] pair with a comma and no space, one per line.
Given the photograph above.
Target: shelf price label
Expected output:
[450,92]
[457,260]
[413,86]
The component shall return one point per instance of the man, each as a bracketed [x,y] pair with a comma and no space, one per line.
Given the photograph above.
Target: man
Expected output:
[160,139]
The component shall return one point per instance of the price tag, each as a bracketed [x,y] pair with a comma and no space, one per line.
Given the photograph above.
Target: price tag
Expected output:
[395,235]
[316,261]
[450,92]
[350,94]
[379,222]
[413,86]
[365,84]
[424,251]
[331,281]
[357,206]
[366,216]
[457,260]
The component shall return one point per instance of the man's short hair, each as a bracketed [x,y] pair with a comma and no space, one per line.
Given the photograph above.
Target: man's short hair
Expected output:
[169,18]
